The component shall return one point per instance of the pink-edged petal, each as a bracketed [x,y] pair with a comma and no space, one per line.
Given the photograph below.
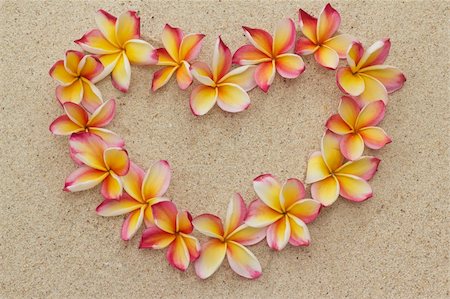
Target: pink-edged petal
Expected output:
[103,115]
[308,25]
[289,65]
[211,257]
[365,167]
[340,43]
[193,246]
[149,219]
[106,23]
[116,159]
[236,213]
[202,99]
[92,97]
[243,76]
[109,62]
[299,232]
[328,23]
[84,178]
[190,47]
[331,152]
[304,46]
[61,75]
[76,113]
[261,215]
[209,225]
[284,37]
[109,137]
[268,190]
[352,146]
[165,216]
[178,254]
[278,234]
[325,191]
[157,180]
[348,82]
[249,55]
[132,223]
[354,188]
[292,191]
[161,77]
[337,125]
[260,39]
[171,38]
[132,182]
[94,42]
[202,72]
[306,209]
[317,168]
[349,111]
[264,75]
[112,187]
[221,63]
[90,67]
[354,55]
[72,60]
[376,53]
[184,223]
[128,26]
[232,97]
[371,114]
[247,235]
[184,76]
[63,125]
[155,238]
[72,93]
[243,261]
[88,148]
[374,90]
[115,207]
[327,57]
[121,74]
[391,77]
[164,58]
[374,137]
[140,52]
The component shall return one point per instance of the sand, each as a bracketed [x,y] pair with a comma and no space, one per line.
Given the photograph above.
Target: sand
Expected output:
[53,245]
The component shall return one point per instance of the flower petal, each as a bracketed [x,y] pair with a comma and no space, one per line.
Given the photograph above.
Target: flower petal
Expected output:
[264,75]
[171,38]
[236,213]
[121,74]
[63,125]
[243,261]
[391,77]
[161,77]
[284,37]
[76,113]
[157,180]
[305,47]
[109,137]
[132,181]
[193,246]
[261,39]
[72,93]
[243,76]
[327,57]
[132,223]
[232,97]
[72,60]
[308,25]
[371,115]
[106,23]
[268,190]
[184,222]
[325,191]
[374,90]
[306,209]
[178,254]
[290,65]
[92,97]
[352,146]
[209,225]
[202,73]
[340,43]
[190,47]
[140,52]
[328,23]
[376,53]
[90,67]
[278,234]
[211,257]
[155,238]
[331,150]
[354,188]
[88,148]
[354,55]
[60,74]
[164,58]
[116,159]
[349,111]
[374,137]
[291,192]
[365,167]
[249,55]
[221,63]
[299,232]
[84,178]
[202,99]
[149,220]
[128,26]
[261,215]
[112,187]
[184,76]
[165,216]
[103,115]
[94,42]
[337,125]
[247,235]
[115,207]
[109,62]
[348,82]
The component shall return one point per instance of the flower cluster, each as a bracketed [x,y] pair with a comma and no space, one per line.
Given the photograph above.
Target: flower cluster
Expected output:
[281,212]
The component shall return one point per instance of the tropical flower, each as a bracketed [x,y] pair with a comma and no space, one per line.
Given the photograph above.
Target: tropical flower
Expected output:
[358,127]
[77,120]
[227,88]
[172,229]
[330,176]
[283,209]
[101,164]
[365,76]
[143,190]
[74,75]
[318,37]
[117,43]
[230,241]
[176,56]
[271,54]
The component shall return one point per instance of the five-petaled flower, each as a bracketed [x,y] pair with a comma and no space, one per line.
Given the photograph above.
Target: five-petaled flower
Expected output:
[172,229]
[178,53]
[318,37]
[101,163]
[271,54]
[330,176]
[117,43]
[219,84]
[75,75]
[365,76]
[143,190]
[229,241]
[77,120]
[283,209]
[358,127]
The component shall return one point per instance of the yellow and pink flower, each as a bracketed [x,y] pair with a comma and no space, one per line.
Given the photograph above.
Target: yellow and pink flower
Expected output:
[101,163]
[172,229]
[74,75]
[331,177]
[143,190]
[271,54]
[117,43]
[319,37]
[365,76]
[77,120]
[177,55]
[358,127]
[283,209]
[230,241]
[219,84]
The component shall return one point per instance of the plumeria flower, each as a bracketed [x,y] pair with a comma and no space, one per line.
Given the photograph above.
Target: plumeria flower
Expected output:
[143,190]
[229,241]
[319,40]
[271,54]
[283,209]
[219,84]
[101,164]
[358,127]
[75,75]
[365,76]
[330,176]
[172,229]
[117,43]
[176,56]
[78,120]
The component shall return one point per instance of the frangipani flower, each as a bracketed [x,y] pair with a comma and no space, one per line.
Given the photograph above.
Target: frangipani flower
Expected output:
[172,229]
[178,52]
[101,164]
[330,176]
[117,43]
[318,37]
[283,209]
[219,84]
[74,75]
[358,127]
[271,54]
[229,241]
[77,120]
[142,191]
[365,76]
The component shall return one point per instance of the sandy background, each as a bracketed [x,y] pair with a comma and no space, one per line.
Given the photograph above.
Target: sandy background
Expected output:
[394,245]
